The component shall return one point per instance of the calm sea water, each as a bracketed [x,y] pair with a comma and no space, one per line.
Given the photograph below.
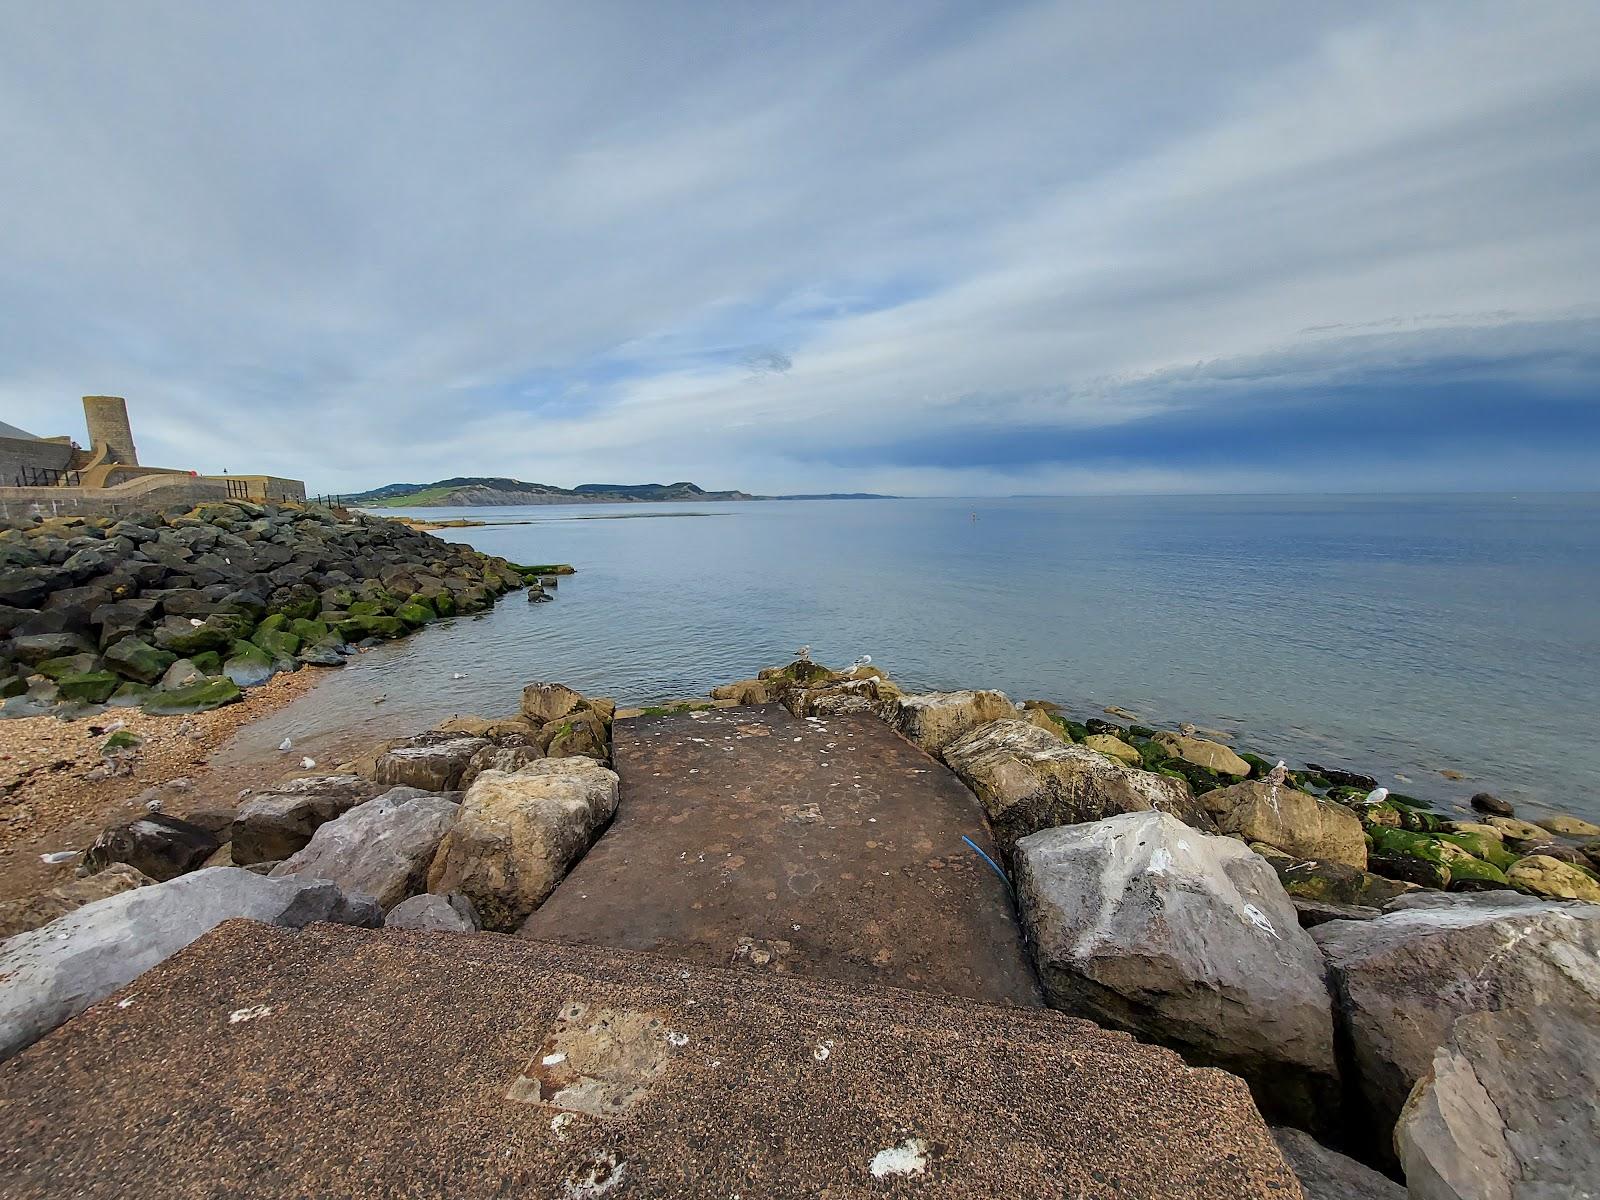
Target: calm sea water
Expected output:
[1403,636]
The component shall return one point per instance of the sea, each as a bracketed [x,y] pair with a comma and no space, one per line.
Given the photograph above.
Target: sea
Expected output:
[1444,644]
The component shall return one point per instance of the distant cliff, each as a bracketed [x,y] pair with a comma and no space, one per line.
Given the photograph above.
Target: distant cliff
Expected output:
[475,491]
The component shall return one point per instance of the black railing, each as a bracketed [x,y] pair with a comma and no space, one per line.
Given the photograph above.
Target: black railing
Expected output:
[47,477]
[238,489]
[328,501]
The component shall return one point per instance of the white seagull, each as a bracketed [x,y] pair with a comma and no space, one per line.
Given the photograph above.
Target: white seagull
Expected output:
[286,744]
[1376,796]
[803,654]
[864,661]
[1279,774]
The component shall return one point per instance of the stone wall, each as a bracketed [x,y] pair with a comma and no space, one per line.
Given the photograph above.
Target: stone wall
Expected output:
[17,453]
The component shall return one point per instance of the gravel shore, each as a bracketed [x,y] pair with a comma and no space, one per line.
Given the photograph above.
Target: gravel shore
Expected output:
[57,790]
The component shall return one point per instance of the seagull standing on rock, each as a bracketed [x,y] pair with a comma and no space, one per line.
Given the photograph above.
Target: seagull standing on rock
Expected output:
[1279,775]
[803,654]
[864,661]
[1376,796]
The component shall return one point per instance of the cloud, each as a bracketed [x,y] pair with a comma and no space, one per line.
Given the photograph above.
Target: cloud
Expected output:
[911,247]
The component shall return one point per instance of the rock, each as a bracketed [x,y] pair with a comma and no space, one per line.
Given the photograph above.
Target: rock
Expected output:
[1573,827]
[509,759]
[276,825]
[1340,778]
[88,687]
[433,765]
[1041,717]
[445,914]
[136,659]
[745,691]
[248,665]
[1318,912]
[932,720]
[1330,882]
[1328,1175]
[1400,981]
[1559,851]
[1487,803]
[184,639]
[838,697]
[160,846]
[1546,876]
[1506,1111]
[382,848]
[1296,822]
[577,733]
[1517,831]
[517,835]
[56,971]
[546,702]
[208,693]
[30,912]
[1413,857]
[180,674]
[1029,780]
[1213,756]
[1142,923]
[34,648]
[1105,743]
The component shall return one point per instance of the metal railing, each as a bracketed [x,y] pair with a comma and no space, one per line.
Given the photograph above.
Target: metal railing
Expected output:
[238,489]
[47,477]
[328,501]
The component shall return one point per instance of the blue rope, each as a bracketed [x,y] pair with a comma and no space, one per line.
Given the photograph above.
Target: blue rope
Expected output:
[997,869]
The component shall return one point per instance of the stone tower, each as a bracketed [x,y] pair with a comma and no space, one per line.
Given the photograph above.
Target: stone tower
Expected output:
[107,418]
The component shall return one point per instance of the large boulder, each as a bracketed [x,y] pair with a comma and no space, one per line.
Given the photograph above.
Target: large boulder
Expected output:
[933,720]
[499,758]
[30,912]
[1400,982]
[518,834]
[136,659]
[1544,875]
[546,702]
[274,825]
[1295,822]
[441,914]
[157,845]
[56,971]
[1213,756]
[1326,1174]
[1029,779]
[433,762]
[1507,1111]
[1142,923]
[382,848]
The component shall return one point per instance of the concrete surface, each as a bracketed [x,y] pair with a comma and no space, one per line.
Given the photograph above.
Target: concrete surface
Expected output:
[828,846]
[383,1063]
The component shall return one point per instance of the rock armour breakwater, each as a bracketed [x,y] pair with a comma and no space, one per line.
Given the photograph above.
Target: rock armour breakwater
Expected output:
[176,612]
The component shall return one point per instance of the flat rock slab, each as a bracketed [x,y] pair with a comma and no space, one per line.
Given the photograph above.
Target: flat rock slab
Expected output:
[827,846]
[387,1063]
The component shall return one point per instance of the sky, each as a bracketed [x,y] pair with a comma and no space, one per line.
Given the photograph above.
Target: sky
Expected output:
[921,248]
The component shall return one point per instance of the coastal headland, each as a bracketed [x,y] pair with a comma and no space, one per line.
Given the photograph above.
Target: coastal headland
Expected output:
[1344,955]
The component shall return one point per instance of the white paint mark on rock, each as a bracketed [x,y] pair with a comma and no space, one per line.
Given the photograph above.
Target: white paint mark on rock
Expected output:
[910,1157]
[551,1060]
[822,1050]
[559,1123]
[674,1038]
[254,1013]
[600,1176]
[1259,920]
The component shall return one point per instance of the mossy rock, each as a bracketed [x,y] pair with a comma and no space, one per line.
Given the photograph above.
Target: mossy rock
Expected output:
[278,643]
[208,662]
[1316,779]
[1490,850]
[444,604]
[248,665]
[89,687]
[1077,729]
[70,664]
[272,624]
[308,631]
[422,601]
[201,696]
[122,739]
[1258,765]
[415,615]
[301,608]
[1139,732]
[1171,774]
[1470,874]
[12,685]
[1200,779]
[1409,868]
[366,608]
[356,627]
[129,695]
[136,659]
